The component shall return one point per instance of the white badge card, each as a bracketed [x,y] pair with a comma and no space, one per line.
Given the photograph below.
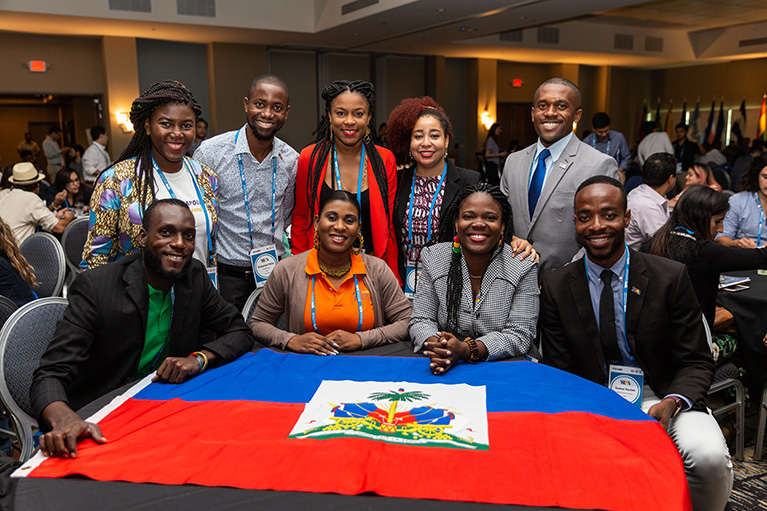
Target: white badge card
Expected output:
[627,382]
[412,274]
[213,274]
[263,260]
[679,168]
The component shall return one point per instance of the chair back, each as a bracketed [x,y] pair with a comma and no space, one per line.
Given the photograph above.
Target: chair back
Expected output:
[7,307]
[250,307]
[73,240]
[44,253]
[23,341]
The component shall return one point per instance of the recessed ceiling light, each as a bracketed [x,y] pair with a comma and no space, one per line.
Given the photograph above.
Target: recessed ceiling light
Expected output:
[467,29]
[440,10]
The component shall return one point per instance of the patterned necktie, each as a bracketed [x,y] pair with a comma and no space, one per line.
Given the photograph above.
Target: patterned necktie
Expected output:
[536,183]
[607,333]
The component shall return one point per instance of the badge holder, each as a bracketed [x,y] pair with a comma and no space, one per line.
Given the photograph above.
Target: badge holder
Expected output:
[627,382]
[213,274]
[412,274]
[263,260]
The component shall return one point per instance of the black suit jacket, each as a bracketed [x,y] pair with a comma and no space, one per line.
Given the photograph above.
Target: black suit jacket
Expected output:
[457,180]
[664,326]
[97,345]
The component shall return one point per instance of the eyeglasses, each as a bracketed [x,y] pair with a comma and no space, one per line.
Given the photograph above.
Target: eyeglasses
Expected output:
[73,181]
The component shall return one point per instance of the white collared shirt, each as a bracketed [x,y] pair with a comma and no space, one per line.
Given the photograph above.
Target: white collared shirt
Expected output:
[556,149]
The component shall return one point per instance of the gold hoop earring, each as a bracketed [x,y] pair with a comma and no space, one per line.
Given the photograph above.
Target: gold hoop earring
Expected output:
[316,240]
[366,138]
[357,251]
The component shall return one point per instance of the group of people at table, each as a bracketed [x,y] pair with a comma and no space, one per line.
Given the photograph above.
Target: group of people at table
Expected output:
[366,237]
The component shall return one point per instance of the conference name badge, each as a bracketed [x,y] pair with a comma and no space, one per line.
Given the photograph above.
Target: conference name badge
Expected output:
[412,274]
[627,382]
[263,260]
[213,274]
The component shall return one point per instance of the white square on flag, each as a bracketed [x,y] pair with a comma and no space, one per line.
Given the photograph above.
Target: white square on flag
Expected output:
[398,412]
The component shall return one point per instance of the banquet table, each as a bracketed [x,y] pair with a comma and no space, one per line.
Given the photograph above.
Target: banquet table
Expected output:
[77,493]
[749,308]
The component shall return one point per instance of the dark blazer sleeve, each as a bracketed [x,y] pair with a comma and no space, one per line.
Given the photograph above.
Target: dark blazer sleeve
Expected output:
[554,346]
[69,347]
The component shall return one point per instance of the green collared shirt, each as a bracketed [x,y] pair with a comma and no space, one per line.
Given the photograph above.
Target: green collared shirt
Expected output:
[157,331]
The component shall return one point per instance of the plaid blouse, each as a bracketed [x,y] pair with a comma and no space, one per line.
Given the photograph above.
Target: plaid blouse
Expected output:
[116,215]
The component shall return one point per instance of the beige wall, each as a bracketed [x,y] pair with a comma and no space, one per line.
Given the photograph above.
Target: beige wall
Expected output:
[121,74]
[299,70]
[14,122]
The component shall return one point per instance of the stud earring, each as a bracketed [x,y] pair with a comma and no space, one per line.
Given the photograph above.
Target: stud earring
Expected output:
[446,153]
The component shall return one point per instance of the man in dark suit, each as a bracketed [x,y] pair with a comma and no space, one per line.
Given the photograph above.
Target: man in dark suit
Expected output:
[540,181]
[127,319]
[585,328]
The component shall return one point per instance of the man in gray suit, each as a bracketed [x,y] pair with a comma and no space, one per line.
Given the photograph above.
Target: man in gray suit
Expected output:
[540,181]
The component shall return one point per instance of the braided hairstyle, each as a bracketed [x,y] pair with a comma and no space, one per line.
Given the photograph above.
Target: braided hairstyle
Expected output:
[140,146]
[402,121]
[447,232]
[323,144]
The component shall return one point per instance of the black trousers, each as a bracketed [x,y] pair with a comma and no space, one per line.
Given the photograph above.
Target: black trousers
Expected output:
[235,284]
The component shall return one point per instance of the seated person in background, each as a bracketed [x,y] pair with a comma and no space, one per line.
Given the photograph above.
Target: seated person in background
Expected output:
[333,298]
[745,225]
[102,342]
[584,329]
[700,174]
[688,237]
[713,156]
[16,277]
[654,141]
[23,210]
[647,202]
[475,300]
[68,189]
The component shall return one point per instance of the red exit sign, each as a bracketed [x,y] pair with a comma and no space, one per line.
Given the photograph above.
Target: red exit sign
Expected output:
[38,66]
[517,82]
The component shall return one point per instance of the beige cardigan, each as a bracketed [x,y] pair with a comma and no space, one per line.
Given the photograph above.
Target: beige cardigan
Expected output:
[285,293]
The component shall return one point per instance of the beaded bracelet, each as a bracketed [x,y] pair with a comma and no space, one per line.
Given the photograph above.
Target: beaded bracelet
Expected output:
[473,350]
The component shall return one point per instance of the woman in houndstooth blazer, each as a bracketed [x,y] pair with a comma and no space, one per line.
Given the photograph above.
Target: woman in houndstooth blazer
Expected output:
[475,300]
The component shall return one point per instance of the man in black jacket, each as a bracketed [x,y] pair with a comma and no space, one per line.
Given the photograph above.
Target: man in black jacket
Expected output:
[140,314]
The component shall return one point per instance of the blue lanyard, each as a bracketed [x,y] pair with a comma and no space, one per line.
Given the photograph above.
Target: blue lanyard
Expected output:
[625,295]
[594,144]
[66,205]
[339,186]
[357,294]
[761,219]
[245,190]
[431,208]
[172,303]
[197,189]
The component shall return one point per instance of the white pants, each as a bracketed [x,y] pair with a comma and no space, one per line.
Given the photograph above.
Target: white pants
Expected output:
[707,463]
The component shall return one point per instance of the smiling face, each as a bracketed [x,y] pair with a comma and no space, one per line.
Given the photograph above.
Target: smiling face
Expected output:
[168,245]
[171,133]
[337,226]
[479,225]
[600,222]
[428,143]
[555,109]
[349,117]
[266,109]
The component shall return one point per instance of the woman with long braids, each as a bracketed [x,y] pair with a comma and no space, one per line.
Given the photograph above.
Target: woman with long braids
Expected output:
[333,297]
[687,237]
[476,300]
[16,276]
[344,157]
[419,136]
[153,166]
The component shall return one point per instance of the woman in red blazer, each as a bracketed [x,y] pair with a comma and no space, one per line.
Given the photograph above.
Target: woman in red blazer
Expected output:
[345,157]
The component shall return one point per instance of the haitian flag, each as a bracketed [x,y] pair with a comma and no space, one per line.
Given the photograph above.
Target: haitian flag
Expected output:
[503,432]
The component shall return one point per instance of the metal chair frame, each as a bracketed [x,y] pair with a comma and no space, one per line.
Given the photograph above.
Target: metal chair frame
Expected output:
[250,304]
[61,257]
[74,267]
[23,423]
[760,428]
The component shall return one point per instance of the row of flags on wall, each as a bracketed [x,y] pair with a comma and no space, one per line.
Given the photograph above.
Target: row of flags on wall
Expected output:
[716,125]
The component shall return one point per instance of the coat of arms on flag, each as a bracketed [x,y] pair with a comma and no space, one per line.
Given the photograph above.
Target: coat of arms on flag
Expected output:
[397,412]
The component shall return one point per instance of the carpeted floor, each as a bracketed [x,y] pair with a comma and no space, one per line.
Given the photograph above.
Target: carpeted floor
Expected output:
[749,491]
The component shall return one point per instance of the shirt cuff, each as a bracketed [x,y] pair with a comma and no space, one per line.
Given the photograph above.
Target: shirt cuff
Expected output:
[686,401]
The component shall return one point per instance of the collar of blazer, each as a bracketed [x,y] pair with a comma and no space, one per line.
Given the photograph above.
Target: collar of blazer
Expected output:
[558,170]
[637,287]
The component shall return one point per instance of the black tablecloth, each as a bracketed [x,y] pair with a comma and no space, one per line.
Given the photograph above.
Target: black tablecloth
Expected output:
[72,494]
[749,307]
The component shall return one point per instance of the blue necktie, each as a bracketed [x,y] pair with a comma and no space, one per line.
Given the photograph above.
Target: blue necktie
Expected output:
[536,183]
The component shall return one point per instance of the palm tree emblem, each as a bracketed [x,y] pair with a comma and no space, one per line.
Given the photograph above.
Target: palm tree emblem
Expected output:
[397,396]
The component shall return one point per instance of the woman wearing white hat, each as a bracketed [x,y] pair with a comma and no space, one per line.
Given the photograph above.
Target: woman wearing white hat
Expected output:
[23,210]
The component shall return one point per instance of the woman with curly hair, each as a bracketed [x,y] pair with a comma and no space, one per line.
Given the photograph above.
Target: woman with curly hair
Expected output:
[476,300]
[745,225]
[419,136]
[344,157]
[153,166]
[16,276]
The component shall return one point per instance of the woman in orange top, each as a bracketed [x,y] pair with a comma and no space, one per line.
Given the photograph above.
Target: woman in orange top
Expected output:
[344,157]
[333,298]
